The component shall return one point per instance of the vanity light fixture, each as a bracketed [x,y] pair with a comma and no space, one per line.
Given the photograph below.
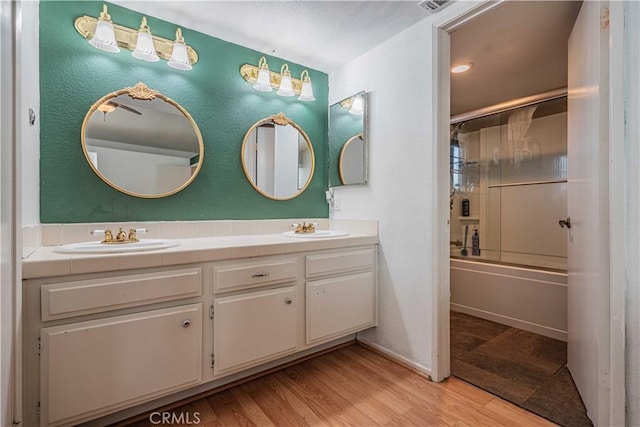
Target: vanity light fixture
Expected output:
[265,81]
[103,34]
[286,88]
[145,51]
[104,37]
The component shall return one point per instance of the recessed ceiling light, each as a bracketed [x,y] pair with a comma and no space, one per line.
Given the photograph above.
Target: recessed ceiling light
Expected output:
[461,68]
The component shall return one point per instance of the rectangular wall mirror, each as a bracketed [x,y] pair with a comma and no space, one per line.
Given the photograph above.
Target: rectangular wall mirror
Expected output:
[348,145]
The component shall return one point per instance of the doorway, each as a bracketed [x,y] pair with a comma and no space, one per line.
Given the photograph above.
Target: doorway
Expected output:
[446,24]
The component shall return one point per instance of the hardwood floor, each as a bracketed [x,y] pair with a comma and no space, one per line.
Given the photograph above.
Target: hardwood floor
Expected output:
[352,386]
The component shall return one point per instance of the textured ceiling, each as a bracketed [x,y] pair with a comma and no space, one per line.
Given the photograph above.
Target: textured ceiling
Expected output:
[323,35]
[518,49]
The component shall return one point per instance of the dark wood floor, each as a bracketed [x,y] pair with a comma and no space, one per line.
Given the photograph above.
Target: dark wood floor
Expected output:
[352,386]
[522,367]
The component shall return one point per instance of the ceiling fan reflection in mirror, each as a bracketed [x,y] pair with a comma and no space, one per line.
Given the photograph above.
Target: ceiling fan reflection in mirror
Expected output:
[110,106]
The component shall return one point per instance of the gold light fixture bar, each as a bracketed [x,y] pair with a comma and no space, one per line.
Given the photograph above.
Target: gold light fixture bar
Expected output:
[250,74]
[127,37]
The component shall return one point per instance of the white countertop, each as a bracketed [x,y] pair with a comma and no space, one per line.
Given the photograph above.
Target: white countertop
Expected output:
[44,262]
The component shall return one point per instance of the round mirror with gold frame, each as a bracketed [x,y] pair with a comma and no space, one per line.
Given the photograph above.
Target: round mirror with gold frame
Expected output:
[142,143]
[277,158]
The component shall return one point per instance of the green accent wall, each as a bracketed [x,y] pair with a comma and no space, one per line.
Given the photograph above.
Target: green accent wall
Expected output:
[73,75]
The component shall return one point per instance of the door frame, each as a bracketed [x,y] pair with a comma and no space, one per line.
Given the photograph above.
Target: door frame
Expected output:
[443,23]
[10,243]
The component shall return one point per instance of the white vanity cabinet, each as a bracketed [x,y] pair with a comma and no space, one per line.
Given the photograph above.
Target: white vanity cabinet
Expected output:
[256,312]
[340,293]
[98,343]
[107,343]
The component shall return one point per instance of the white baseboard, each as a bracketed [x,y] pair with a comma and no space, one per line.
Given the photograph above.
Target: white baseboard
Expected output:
[414,366]
[509,321]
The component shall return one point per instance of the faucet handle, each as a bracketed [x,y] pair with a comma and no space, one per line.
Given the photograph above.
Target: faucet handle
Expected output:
[107,234]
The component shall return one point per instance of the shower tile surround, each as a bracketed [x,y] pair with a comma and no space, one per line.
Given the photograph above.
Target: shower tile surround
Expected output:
[517,223]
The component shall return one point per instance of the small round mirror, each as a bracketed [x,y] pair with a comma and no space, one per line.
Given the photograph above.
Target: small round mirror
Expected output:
[142,143]
[277,158]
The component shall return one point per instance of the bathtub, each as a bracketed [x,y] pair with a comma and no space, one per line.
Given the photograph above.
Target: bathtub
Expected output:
[527,298]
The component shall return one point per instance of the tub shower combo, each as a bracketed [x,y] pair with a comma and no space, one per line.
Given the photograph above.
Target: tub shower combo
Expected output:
[508,170]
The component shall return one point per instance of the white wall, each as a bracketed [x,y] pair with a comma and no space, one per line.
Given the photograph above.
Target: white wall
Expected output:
[140,172]
[28,84]
[399,192]
[632,309]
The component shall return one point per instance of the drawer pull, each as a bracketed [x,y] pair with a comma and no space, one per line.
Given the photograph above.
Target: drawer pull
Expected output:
[260,275]
[288,300]
[186,323]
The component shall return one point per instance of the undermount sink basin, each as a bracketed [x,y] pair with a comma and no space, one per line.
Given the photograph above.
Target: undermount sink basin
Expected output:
[318,234]
[105,248]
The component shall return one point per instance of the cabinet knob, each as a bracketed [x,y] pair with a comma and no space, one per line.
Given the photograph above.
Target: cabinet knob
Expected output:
[186,323]
[288,300]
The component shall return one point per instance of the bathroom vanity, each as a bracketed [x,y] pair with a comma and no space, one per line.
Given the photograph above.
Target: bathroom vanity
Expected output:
[110,332]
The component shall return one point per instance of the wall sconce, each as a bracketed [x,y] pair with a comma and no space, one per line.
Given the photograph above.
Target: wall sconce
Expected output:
[265,80]
[103,34]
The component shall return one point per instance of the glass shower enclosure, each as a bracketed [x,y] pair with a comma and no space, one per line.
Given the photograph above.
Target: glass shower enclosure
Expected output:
[508,174]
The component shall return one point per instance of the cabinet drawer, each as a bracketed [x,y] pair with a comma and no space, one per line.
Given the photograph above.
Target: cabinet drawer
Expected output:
[68,299]
[340,306]
[254,327]
[92,368]
[256,273]
[339,262]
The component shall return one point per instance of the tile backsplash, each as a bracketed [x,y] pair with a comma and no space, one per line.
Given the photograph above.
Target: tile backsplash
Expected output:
[56,234]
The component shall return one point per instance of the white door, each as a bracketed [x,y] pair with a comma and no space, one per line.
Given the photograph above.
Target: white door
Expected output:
[588,207]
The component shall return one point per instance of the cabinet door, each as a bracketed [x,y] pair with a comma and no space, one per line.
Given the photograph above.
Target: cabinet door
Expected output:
[254,327]
[92,368]
[340,305]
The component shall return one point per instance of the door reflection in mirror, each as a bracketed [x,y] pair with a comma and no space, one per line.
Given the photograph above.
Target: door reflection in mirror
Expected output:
[142,143]
[277,159]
